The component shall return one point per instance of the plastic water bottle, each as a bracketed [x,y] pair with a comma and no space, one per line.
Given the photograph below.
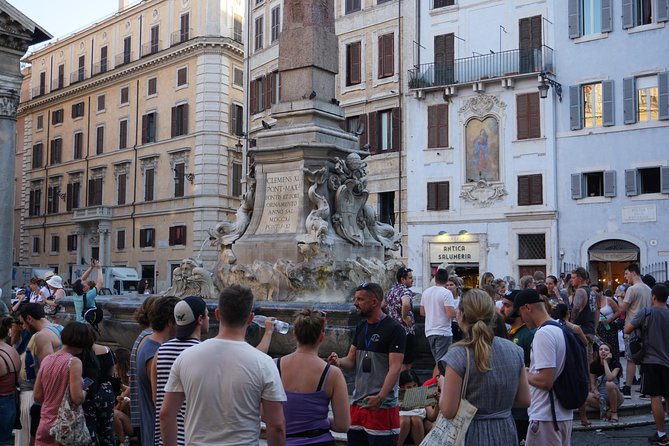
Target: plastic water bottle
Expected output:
[279,326]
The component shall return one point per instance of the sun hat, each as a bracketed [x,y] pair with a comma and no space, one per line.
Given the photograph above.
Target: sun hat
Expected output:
[55,281]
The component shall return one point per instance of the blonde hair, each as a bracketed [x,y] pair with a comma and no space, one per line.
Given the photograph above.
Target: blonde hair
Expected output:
[477,310]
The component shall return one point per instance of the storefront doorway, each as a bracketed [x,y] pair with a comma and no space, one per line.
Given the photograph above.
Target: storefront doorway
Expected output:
[469,273]
[607,262]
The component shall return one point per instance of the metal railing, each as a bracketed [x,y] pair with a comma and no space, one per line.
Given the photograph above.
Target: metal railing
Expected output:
[482,67]
[100,67]
[181,36]
[38,91]
[57,84]
[124,58]
[151,48]
[78,75]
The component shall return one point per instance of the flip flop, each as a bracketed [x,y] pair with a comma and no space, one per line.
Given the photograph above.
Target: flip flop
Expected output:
[613,418]
[585,423]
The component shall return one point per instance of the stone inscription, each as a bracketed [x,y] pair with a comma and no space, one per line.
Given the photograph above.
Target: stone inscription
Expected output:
[283,191]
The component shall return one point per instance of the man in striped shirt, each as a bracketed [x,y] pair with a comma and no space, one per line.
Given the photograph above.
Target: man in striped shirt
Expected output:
[192,318]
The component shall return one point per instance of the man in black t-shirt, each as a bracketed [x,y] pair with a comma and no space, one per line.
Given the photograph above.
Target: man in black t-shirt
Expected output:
[376,356]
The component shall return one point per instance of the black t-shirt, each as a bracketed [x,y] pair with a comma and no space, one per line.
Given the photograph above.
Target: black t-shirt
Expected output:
[597,368]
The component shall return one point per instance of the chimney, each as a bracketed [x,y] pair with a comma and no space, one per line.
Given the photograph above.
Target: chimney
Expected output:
[122,5]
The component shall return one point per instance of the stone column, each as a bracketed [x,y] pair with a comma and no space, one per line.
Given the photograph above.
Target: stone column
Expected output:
[80,241]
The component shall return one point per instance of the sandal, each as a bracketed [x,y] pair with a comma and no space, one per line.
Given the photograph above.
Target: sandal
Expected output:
[613,418]
[585,423]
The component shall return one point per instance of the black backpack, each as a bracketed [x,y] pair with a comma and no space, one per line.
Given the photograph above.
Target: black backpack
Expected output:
[571,385]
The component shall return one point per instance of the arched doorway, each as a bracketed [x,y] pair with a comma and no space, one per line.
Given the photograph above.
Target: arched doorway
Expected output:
[608,259]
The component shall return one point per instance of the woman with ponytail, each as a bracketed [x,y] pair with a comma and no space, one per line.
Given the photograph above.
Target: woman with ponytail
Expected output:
[497,377]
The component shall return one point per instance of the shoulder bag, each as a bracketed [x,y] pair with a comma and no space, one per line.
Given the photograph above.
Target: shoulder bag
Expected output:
[70,429]
[452,432]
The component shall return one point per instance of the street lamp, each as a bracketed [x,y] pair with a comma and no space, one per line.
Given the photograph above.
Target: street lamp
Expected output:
[545,83]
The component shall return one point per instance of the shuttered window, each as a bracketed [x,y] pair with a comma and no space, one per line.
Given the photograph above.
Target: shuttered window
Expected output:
[530,41]
[73,194]
[437,126]
[38,156]
[179,180]
[147,238]
[353,66]
[99,140]
[258,33]
[275,29]
[352,6]
[438,196]
[182,76]
[528,118]
[95,192]
[177,235]
[56,155]
[152,87]
[124,95]
[123,134]
[530,190]
[77,110]
[386,55]
[72,242]
[121,188]
[179,120]
[120,239]
[101,102]
[236,119]
[78,146]
[149,184]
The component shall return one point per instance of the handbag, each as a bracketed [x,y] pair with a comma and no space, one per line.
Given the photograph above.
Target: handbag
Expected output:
[70,429]
[452,432]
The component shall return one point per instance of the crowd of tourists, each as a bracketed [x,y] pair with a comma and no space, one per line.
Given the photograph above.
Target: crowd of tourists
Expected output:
[515,362]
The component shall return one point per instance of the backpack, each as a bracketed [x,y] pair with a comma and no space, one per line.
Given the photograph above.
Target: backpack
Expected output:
[638,340]
[572,384]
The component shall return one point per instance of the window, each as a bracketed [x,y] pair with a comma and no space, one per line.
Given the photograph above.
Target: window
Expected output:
[56,152]
[442,3]
[179,179]
[258,33]
[78,146]
[57,116]
[358,124]
[649,180]
[149,128]
[646,98]
[121,185]
[387,208]
[38,155]
[438,196]
[531,246]
[103,59]
[52,197]
[123,134]
[385,130]
[353,63]
[179,120]
[593,184]
[55,243]
[77,110]
[437,126]
[236,119]
[236,180]
[127,49]
[258,95]
[42,83]
[591,105]
[273,87]
[152,87]
[444,59]
[99,140]
[95,192]
[184,27]
[155,39]
[352,6]
[120,240]
[530,190]
[73,195]
[81,70]
[237,29]
[147,238]
[61,76]
[35,200]
[149,183]
[528,117]
[125,97]
[386,55]
[36,245]
[177,235]
[182,76]
[72,242]
[40,122]
[589,17]
[101,103]
[275,29]
[238,77]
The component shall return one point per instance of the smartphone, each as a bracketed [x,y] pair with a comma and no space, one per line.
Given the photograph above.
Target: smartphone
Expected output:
[87,383]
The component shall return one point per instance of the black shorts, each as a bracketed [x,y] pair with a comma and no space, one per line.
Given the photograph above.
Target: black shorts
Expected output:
[35,416]
[655,380]
[410,349]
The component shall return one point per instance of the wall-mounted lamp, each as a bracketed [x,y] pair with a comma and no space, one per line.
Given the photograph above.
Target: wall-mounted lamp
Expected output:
[189,176]
[545,83]
[443,233]
[460,232]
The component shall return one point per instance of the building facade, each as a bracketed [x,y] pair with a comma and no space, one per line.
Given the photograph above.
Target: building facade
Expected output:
[613,166]
[128,153]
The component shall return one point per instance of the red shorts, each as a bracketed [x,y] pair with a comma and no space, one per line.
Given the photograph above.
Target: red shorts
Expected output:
[376,422]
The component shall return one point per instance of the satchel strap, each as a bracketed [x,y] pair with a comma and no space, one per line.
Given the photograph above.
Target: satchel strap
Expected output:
[465,380]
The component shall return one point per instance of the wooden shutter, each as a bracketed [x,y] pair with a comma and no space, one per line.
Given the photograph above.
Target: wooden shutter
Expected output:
[631,182]
[628,13]
[353,63]
[184,119]
[607,16]
[522,119]
[233,119]
[99,140]
[608,104]
[629,100]
[148,185]
[438,196]
[536,189]
[442,126]
[68,198]
[184,27]
[663,95]
[610,183]
[523,190]
[122,180]
[576,186]
[74,110]
[373,124]
[142,238]
[363,139]
[528,116]
[91,192]
[174,122]
[145,129]
[396,144]
[574,14]
[269,87]
[252,100]
[575,107]
[662,13]
[380,57]
[664,180]
[432,126]
[386,50]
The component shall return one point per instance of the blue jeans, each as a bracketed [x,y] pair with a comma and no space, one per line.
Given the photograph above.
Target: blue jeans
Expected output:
[8,411]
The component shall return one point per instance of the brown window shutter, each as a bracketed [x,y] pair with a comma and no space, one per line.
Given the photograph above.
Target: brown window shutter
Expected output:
[397,121]
[534,116]
[142,238]
[252,101]
[263,93]
[432,126]
[536,189]
[442,125]
[74,110]
[270,91]
[354,63]
[442,196]
[184,119]
[68,202]
[431,196]
[91,192]
[522,116]
[523,190]
[174,121]
[145,129]
[233,120]
[389,55]
[362,120]
[373,136]
[380,51]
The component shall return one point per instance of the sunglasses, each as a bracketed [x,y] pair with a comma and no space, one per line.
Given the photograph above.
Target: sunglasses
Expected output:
[363,286]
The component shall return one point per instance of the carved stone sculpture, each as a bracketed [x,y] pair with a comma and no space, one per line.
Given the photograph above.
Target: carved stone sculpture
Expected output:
[349,181]
[227,232]
[189,279]
[316,222]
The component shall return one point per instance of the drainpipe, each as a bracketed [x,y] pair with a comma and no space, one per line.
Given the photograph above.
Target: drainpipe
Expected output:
[134,182]
[401,114]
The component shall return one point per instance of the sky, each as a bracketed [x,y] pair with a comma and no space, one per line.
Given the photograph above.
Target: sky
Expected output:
[62,17]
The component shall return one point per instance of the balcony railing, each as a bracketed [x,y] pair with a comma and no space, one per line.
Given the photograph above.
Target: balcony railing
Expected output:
[100,67]
[181,36]
[38,91]
[57,84]
[77,76]
[92,213]
[151,47]
[124,58]
[485,66]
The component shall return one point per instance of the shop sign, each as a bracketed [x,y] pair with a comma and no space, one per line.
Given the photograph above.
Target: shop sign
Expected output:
[454,252]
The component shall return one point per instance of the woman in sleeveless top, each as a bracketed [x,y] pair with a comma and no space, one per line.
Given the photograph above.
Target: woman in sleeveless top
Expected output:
[9,374]
[311,385]
[606,329]
[56,372]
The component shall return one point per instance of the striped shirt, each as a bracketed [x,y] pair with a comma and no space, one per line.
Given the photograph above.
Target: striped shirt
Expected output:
[134,388]
[165,357]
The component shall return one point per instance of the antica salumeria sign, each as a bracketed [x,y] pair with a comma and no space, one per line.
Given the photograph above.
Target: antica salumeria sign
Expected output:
[454,252]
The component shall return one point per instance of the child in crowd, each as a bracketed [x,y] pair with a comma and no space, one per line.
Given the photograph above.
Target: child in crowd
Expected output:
[415,422]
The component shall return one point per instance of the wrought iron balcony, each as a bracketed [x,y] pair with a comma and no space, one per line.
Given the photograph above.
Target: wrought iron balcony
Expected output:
[151,47]
[78,75]
[181,36]
[483,67]
[38,91]
[100,67]
[57,84]
[124,58]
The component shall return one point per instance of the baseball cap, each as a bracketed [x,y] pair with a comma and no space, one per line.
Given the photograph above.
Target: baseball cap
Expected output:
[511,295]
[524,297]
[186,313]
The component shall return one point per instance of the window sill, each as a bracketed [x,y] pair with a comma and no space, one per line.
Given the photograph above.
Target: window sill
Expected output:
[350,88]
[178,247]
[444,10]
[77,118]
[642,28]
[150,96]
[124,104]
[591,37]
[647,197]
[100,111]
[181,87]
[541,138]
[593,200]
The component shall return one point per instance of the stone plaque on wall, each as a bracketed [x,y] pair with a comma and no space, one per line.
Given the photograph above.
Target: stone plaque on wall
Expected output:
[283,191]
